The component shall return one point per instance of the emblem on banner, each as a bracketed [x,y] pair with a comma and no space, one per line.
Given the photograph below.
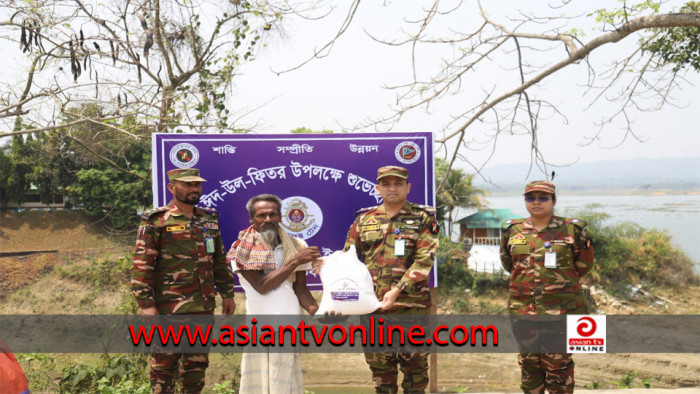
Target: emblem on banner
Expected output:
[301,217]
[586,333]
[407,152]
[184,155]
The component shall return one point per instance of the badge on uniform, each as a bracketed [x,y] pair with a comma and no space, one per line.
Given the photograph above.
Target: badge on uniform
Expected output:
[371,220]
[210,226]
[209,241]
[399,247]
[175,228]
[518,239]
[550,260]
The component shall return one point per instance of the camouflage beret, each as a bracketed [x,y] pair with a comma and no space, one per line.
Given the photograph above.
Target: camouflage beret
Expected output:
[396,171]
[185,175]
[540,186]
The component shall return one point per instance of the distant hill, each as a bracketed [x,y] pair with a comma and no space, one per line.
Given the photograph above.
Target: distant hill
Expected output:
[643,175]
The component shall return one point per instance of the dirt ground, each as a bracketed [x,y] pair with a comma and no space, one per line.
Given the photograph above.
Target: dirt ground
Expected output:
[52,238]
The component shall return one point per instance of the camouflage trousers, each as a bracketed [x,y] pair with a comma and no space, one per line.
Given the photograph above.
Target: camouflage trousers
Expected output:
[551,371]
[413,366]
[188,368]
[165,372]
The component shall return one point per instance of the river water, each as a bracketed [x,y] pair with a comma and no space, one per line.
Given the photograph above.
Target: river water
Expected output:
[678,214]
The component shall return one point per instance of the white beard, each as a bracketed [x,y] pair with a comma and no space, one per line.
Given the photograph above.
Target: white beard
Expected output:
[269,236]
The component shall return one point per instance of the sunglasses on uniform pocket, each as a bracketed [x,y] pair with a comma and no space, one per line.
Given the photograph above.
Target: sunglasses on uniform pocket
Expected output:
[538,198]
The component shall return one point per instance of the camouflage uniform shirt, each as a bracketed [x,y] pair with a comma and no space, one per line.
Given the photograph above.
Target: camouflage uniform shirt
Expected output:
[172,268]
[374,232]
[535,289]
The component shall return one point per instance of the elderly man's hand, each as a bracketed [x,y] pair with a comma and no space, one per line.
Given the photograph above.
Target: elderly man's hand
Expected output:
[316,265]
[306,255]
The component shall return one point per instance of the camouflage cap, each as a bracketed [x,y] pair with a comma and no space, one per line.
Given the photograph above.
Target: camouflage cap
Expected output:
[540,186]
[396,171]
[185,175]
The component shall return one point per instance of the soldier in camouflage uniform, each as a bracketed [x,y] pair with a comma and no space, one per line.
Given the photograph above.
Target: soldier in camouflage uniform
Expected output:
[179,257]
[546,256]
[398,242]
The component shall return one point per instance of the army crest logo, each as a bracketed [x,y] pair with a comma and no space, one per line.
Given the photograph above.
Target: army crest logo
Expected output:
[407,152]
[184,155]
[301,217]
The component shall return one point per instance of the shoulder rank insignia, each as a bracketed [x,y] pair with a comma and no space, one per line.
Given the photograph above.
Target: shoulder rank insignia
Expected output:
[518,239]
[434,228]
[511,222]
[147,214]
[210,211]
[363,210]
[427,208]
[576,222]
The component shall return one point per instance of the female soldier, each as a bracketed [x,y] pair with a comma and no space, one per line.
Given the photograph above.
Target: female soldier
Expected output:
[546,256]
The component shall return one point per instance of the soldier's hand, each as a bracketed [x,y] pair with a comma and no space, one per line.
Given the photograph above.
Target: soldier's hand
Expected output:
[307,254]
[151,311]
[228,306]
[317,264]
[389,299]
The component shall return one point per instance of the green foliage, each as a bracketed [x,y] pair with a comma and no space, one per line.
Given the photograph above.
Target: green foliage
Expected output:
[304,130]
[626,380]
[111,169]
[18,160]
[100,275]
[627,11]
[483,282]
[594,385]
[120,374]
[678,45]
[457,191]
[453,273]
[6,164]
[225,387]
[106,193]
[103,172]
[36,367]
[628,253]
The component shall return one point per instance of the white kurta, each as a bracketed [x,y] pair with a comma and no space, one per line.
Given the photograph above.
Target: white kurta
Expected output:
[270,372]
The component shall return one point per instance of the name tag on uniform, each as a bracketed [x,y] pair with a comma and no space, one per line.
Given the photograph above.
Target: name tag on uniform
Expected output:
[399,247]
[373,227]
[209,241]
[175,228]
[550,260]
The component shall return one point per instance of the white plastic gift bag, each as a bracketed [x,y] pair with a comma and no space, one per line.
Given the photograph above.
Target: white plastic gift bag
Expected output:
[347,285]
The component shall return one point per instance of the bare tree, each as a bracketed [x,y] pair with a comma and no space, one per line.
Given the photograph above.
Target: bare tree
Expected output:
[527,50]
[165,65]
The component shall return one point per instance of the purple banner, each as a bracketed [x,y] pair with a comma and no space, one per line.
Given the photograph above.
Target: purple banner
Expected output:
[323,179]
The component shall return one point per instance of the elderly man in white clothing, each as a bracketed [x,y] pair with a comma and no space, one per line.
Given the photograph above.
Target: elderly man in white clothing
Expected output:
[271,266]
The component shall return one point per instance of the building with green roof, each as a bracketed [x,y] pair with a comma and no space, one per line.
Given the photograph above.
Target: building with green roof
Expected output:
[484,226]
